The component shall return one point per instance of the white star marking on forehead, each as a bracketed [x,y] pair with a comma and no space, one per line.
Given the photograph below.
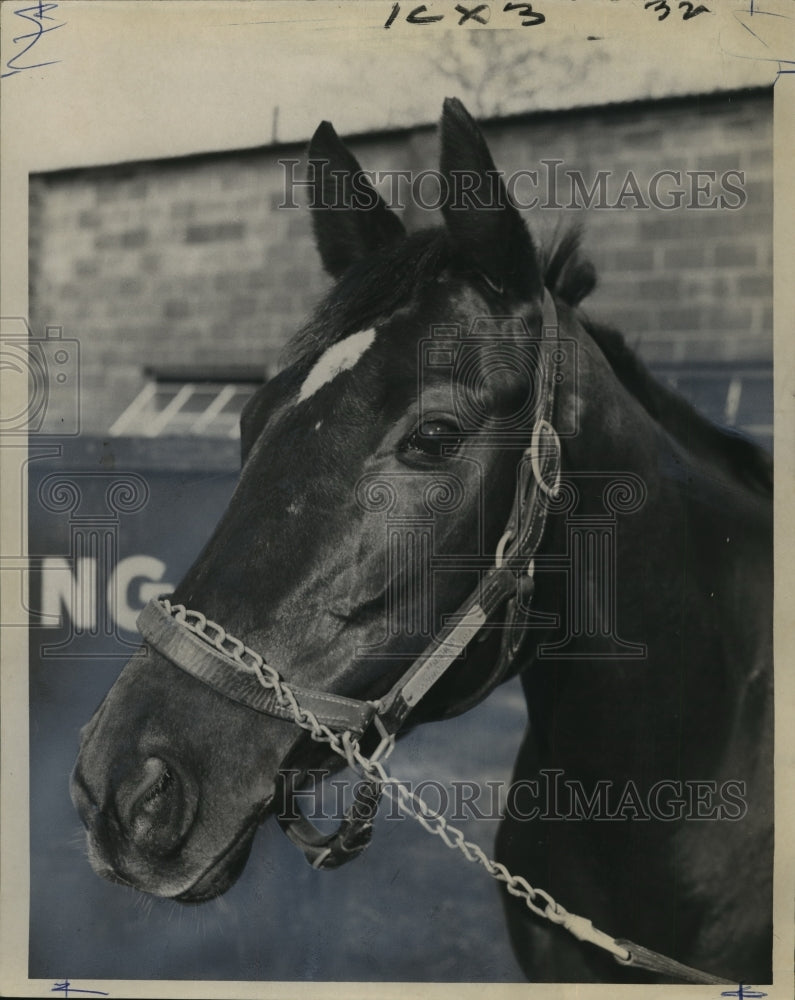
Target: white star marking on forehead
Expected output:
[338,358]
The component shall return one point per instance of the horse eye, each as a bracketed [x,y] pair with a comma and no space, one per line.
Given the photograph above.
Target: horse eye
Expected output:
[436,438]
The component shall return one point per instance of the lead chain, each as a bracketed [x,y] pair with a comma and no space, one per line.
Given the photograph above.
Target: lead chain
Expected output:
[346,745]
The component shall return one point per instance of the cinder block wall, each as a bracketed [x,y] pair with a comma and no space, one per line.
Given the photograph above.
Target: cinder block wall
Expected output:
[689,284]
[191,260]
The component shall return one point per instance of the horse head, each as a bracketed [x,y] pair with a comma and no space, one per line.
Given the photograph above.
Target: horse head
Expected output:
[372,424]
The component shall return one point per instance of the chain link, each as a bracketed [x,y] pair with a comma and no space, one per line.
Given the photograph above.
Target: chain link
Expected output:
[346,745]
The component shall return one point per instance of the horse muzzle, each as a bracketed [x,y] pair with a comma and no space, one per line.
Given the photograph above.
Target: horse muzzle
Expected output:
[172,784]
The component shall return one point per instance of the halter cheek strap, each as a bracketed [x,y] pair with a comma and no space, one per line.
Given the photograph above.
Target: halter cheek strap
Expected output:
[508,583]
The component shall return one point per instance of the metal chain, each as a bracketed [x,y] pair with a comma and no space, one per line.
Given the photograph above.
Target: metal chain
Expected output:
[346,745]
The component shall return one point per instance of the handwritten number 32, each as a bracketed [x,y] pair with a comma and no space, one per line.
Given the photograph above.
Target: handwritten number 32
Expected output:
[663,9]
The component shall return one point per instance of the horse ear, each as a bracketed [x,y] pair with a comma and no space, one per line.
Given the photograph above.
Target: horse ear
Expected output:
[488,232]
[349,217]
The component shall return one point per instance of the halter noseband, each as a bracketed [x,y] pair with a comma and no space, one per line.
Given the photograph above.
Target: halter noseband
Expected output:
[214,665]
[204,649]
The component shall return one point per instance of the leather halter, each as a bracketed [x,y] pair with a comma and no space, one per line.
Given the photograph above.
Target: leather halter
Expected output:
[509,583]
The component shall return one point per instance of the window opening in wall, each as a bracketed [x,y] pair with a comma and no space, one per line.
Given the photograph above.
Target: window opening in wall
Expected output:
[189,402]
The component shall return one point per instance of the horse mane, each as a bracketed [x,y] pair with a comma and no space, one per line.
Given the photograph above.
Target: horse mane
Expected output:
[376,286]
[571,277]
[747,461]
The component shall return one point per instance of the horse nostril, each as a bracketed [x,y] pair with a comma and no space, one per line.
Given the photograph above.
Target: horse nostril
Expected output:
[154,784]
[153,807]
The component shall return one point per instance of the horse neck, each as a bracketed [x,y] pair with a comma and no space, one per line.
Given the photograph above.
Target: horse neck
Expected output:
[664,601]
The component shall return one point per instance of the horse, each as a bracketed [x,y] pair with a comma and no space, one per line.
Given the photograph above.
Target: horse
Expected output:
[456,478]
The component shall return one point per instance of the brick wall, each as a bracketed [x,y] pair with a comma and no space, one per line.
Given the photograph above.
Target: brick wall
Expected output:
[189,261]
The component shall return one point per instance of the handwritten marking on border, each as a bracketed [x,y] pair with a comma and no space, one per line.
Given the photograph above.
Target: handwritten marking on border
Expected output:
[65,987]
[478,13]
[662,8]
[744,992]
[36,14]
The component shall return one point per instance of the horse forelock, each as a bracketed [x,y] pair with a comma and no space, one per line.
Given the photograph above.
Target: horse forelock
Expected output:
[377,286]
[369,291]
